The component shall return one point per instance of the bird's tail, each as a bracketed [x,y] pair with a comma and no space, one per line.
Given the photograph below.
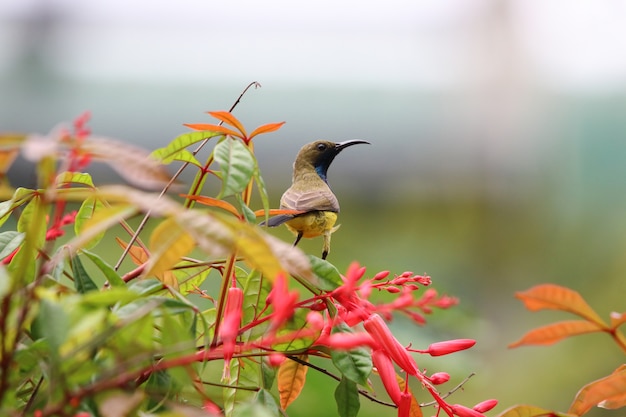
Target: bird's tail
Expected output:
[277,220]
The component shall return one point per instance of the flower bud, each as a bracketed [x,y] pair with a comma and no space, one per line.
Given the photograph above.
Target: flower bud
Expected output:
[449,346]
[462,411]
[381,275]
[485,406]
[439,378]
[275,359]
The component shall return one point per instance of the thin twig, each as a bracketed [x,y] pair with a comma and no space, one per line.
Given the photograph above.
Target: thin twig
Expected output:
[452,391]
[336,378]
[173,179]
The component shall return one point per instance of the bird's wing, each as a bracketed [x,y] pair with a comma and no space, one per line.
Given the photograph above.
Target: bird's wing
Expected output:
[310,200]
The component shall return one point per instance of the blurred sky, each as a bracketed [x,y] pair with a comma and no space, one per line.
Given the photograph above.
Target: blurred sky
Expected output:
[569,45]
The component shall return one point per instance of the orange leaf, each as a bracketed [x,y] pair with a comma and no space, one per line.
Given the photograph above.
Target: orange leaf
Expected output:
[270,127]
[531,411]
[213,128]
[552,333]
[137,253]
[291,378]
[213,202]
[415,410]
[276,212]
[610,390]
[555,297]
[228,118]
[617,319]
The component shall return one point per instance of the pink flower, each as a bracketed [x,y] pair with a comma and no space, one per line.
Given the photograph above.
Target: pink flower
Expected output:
[449,346]
[347,341]
[462,411]
[439,378]
[379,331]
[485,406]
[283,301]
[387,374]
[404,408]
[229,329]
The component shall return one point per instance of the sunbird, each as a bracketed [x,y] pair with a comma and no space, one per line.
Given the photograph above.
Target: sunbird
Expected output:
[311,195]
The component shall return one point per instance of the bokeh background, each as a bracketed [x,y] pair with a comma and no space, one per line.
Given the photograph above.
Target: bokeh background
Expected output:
[498,131]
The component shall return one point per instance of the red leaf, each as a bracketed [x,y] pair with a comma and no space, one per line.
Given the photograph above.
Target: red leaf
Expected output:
[228,118]
[213,128]
[552,333]
[270,127]
[609,390]
[213,202]
[555,297]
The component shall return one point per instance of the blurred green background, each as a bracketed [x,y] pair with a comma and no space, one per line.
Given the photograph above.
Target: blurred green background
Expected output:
[497,156]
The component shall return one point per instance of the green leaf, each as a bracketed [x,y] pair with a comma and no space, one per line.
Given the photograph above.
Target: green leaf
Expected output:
[237,165]
[176,149]
[355,364]
[52,324]
[292,327]
[248,213]
[109,297]
[147,286]
[244,372]
[268,374]
[267,400]
[253,409]
[82,280]
[32,221]
[6,282]
[329,277]
[9,241]
[255,292]
[347,398]
[191,277]
[80,178]
[265,201]
[20,196]
[86,212]
[111,276]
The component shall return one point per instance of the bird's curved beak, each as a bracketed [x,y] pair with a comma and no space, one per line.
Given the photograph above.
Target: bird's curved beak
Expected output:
[342,145]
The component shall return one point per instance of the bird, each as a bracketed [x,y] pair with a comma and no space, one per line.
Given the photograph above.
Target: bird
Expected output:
[310,195]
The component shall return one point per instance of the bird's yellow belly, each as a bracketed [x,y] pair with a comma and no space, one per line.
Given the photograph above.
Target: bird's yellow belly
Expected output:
[312,224]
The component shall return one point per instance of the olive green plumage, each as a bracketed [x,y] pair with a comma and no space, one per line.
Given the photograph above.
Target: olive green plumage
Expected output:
[311,194]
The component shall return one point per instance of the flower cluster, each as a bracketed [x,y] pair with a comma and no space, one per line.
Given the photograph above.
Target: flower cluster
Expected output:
[351,307]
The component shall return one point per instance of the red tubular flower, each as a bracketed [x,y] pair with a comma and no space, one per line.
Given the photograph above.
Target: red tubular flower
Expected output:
[275,359]
[462,411]
[387,374]
[404,408]
[439,378]
[230,326]
[347,341]
[377,328]
[380,276]
[282,301]
[485,406]
[449,346]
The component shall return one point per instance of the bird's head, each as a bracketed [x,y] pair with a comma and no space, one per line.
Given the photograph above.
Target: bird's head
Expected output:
[320,154]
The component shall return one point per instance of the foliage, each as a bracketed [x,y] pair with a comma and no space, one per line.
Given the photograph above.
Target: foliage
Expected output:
[608,392]
[151,338]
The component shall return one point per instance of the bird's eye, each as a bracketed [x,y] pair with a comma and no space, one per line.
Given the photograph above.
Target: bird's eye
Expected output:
[321,147]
